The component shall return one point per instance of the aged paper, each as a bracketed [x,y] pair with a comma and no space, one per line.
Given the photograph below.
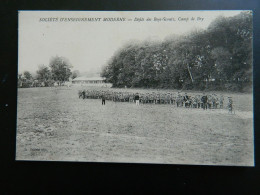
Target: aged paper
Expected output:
[164,87]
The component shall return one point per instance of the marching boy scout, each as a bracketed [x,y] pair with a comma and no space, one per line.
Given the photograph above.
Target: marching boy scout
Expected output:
[137,99]
[103,99]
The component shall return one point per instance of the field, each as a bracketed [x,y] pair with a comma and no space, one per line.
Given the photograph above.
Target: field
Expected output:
[54,124]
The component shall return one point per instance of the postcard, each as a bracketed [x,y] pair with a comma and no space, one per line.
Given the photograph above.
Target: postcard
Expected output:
[161,87]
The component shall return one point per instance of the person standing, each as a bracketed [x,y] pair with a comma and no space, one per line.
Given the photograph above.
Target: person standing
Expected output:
[204,100]
[103,99]
[83,94]
[230,105]
[221,101]
[137,99]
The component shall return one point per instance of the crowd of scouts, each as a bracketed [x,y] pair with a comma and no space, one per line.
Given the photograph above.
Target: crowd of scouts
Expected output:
[204,101]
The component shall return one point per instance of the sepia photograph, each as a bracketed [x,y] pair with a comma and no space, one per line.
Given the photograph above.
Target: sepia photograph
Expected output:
[160,87]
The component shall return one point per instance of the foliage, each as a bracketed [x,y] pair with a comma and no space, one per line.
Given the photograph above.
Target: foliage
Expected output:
[75,74]
[218,58]
[43,73]
[59,72]
[60,69]
[25,80]
[44,77]
[27,75]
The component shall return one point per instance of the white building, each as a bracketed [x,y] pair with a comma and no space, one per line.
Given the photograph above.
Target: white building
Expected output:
[91,81]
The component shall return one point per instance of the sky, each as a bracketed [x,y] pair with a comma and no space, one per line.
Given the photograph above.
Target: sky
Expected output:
[88,45]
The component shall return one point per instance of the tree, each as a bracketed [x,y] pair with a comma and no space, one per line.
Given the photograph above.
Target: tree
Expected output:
[75,74]
[223,64]
[60,69]
[217,58]
[43,74]
[26,79]
[27,75]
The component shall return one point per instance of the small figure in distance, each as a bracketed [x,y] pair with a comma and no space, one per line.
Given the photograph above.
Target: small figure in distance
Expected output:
[204,100]
[137,99]
[83,94]
[221,101]
[103,99]
[230,105]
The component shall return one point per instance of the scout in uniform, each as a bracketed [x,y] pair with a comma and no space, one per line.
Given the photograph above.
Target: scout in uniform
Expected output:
[194,102]
[179,100]
[137,98]
[103,97]
[186,100]
[204,100]
[131,97]
[168,98]
[221,101]
[157,98]
[83,94]
[230,105]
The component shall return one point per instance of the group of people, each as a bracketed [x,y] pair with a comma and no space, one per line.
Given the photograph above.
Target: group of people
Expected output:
[204,101]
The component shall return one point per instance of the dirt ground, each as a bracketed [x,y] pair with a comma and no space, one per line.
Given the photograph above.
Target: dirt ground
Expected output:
[54,124]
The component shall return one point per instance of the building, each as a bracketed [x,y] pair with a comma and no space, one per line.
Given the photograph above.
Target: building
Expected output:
[88,80]
[91,81]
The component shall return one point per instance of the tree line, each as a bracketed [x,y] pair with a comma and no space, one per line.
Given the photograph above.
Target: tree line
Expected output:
[218,58]
[58,71]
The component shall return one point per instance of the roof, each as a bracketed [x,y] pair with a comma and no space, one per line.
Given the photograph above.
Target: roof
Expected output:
[84,78]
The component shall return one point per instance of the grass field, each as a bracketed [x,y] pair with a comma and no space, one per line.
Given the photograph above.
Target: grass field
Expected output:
[54,124]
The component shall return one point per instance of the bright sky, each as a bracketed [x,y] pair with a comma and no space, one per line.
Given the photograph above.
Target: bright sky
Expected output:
[89,45]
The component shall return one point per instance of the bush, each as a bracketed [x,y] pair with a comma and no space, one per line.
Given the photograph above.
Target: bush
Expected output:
[26,84]
[49,83]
